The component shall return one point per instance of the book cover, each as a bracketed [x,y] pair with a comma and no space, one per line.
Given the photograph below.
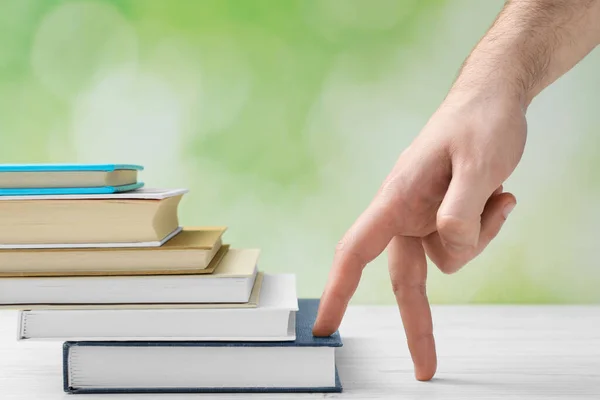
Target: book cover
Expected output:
[155,243]
[305,318]
[195,250]
[273,319]
[231,282]
[251,303]
[68,179]
[139,194]
[132,219]
[67,167]
[70,191]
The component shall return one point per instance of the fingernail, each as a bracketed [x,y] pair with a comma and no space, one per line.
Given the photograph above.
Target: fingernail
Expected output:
[507,209]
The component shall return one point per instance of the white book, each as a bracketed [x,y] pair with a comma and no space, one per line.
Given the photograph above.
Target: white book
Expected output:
[306,364]
[231,282]
[273,320]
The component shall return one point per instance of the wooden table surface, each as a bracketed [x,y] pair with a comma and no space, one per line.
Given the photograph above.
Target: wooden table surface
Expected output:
[485,352]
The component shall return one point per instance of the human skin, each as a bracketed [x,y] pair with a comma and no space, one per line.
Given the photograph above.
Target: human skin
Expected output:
[444,197]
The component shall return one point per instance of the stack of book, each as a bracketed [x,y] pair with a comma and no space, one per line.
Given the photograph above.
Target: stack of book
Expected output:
[143,305]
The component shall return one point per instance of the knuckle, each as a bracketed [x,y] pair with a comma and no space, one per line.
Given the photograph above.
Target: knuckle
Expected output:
[424,336]
[388,188]
[449,266]
[406,291]
[398,204]
[344,250]
[479,169]
[341,245]
[453,229]
[472,166]
[393,190]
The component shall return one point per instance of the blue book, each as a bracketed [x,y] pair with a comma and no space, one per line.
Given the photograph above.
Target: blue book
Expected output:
[67,179]
[304,365]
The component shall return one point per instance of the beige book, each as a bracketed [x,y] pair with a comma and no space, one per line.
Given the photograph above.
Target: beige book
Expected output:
[87,221]
[67,179]
[190,252]
[231,282]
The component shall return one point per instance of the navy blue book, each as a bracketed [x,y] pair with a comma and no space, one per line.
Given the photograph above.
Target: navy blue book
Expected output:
[305,365]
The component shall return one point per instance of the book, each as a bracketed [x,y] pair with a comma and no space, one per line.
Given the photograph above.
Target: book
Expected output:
[189,252]
[63,191]
[231,282]
[144,218]
[272,320]
[251,303]
[139,194]
[304,365]
[39,179]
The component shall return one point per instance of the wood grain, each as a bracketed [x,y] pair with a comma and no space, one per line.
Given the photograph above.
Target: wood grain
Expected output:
[485,352]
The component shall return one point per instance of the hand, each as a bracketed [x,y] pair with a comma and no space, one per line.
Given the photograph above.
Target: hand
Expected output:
[443,198]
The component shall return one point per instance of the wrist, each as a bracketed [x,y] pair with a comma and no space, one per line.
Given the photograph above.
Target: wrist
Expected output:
[493,77]
[489,90]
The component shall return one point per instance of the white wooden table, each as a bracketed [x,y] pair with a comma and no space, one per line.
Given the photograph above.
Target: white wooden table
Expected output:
[485,352]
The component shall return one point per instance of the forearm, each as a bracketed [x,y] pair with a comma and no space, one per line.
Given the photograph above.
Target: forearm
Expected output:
[530,45]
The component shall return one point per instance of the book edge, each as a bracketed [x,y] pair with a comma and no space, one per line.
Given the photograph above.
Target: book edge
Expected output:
[156,243]
[138,194]
[252,302]
[68,167]
[337,388]
[84,191]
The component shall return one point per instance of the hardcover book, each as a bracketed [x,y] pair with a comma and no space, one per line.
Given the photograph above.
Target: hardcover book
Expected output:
[251,303]
[304,365]
[272,320]
[41,179]
[231,282]
[190,252]
[134,219]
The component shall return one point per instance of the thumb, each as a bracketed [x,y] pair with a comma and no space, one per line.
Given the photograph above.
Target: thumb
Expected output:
[459,216]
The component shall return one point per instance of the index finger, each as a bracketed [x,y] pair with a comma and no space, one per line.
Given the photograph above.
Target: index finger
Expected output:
[365,240]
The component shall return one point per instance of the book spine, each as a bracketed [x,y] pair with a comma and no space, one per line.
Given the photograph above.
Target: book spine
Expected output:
[66,367]
[22,325]
[329,389]
[72,390]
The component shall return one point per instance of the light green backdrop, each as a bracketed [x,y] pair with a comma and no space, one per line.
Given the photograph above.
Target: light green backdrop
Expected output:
[283,117]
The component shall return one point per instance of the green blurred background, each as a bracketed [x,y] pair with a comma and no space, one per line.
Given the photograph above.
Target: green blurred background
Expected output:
[284,116]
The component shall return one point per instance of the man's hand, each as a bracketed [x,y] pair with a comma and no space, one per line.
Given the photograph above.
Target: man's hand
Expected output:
[444,197]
